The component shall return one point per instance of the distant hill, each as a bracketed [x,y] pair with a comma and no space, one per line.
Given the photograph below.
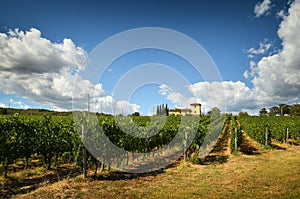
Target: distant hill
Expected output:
[32,111]
[10,111]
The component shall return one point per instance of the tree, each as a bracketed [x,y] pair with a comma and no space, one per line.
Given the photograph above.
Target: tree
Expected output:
[263,112]
[136,114]
[3,111]
[295,110]
[274,111]
[284,109]
[162,110]
[215,111]
[167,110]
[243,114]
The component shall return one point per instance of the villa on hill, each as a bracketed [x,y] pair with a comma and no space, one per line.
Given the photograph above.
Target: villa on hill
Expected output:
[195,110]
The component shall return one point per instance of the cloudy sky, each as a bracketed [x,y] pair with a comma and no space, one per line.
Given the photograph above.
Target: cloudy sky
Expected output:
[45,49]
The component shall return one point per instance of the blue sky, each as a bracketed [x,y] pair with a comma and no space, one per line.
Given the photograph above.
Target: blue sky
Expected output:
[238,35]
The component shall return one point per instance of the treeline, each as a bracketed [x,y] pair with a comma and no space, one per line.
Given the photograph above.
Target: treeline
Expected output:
[281,110]
[32,111]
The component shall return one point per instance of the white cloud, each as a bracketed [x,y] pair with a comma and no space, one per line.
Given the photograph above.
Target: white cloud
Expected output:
[253,68]
[125,108]
[107,104]
[263,48]
[175,97]
[2,105]
[28,52]
[19,104]
[277,76]
[45,72]
[210,94]
[246,74]
[237,95]
[261,8]
[280,14]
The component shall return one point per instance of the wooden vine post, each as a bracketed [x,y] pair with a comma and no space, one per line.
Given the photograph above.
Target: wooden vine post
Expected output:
[267,137]
[287,135]
[84,167]
[185,145]
[235,140]
[84,129]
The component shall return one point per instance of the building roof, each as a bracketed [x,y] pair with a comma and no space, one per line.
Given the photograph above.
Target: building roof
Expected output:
[179,110]
[175,110]
[193,104]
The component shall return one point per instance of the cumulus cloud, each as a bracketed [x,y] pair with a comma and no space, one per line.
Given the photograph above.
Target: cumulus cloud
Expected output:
[277,76]
[236,94]
[214,94]
[28,52]
[249,74]
[175,97]
[2,105]
[107,104]
[124,107]
[261,8]
[45,72]
[263,48]
[19,104]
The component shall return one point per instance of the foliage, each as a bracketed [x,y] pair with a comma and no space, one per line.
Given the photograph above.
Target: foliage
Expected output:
[285,109]
[22,137]
[263,112]
[136,114]
[236,131]
[162,109]
[295,110]
[243,114]
[277,127]
[54,139]
[214,112]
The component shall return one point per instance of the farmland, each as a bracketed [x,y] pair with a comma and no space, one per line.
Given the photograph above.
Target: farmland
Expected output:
[41,157]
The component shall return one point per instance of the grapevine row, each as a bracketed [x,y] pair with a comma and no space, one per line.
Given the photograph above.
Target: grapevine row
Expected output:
[276,127]
[55,140]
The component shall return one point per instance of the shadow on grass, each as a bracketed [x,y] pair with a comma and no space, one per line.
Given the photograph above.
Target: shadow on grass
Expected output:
[275,146]
[293,142]
[248,149]
[14,186]
[215,159]
[247,146]
[118,175]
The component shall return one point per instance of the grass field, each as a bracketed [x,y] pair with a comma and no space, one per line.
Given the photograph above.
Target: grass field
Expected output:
[271,174]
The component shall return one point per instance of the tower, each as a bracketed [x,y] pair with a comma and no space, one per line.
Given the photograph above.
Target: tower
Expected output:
[196,109]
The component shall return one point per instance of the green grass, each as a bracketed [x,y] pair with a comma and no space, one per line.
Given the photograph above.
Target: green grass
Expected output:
[273,174]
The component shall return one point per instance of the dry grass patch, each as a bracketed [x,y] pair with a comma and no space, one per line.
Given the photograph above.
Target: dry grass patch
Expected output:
[272,174]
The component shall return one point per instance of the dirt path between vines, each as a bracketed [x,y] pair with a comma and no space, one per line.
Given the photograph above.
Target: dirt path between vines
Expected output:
[221,151]
[248,146]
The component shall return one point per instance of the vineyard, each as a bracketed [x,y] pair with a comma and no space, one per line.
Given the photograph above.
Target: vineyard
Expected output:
[53,141]
[264,129]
